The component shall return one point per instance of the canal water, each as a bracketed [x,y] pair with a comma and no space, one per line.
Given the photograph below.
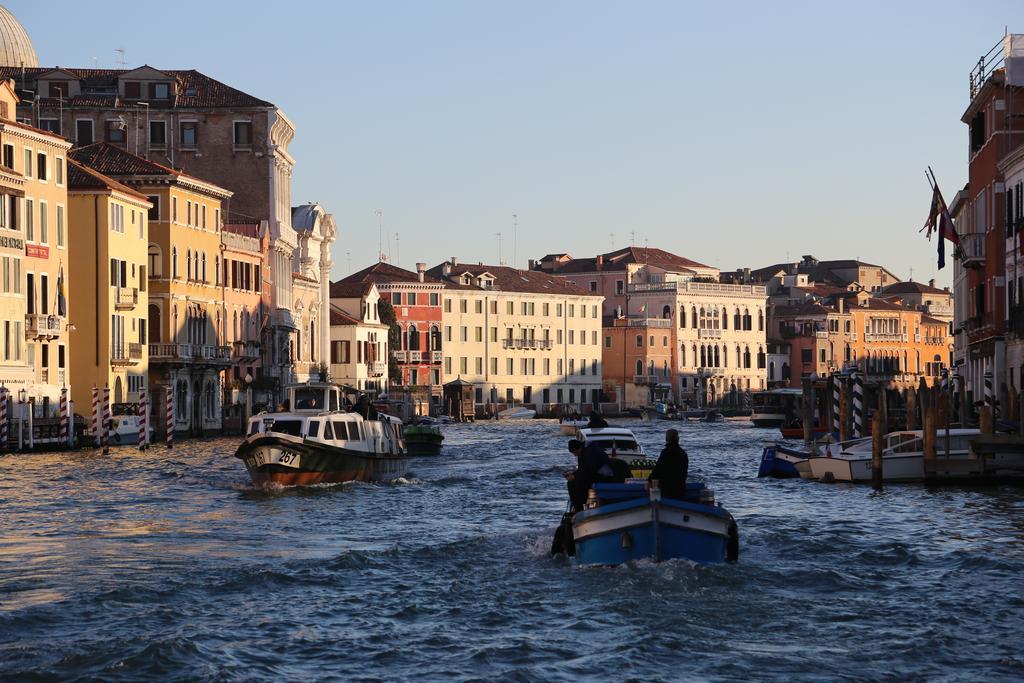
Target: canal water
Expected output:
[169,566]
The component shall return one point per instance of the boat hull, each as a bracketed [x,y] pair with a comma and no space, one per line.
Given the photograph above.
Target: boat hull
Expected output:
[292,461]
[644,529]
[424,447]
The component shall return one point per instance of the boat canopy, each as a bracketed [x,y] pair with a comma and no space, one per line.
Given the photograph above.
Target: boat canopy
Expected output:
[314,397]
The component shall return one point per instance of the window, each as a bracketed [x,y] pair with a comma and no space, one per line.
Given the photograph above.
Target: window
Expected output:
[619,287]
[463,306]
[607,342]
[58,89]
[159,91]
[243,133]
[805,355]
[116,129]
[30,220]
[132,90]
[593,285]
[60,225]
[189,134]
[9,156]
[639,340]
[396,298]
[435,299]
[58,169]
[174,262]
[411,298]
[44,215]
[52,125]
[158,133]
[84,132]
[28,163]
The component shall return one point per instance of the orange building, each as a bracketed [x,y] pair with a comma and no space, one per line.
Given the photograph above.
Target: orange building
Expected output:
[637,357]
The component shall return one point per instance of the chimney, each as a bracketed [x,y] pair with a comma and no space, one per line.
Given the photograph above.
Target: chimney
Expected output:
[842,304]
[454,262]
[600,262]
[421,270]
[532,264]
[446,269]
[931,283]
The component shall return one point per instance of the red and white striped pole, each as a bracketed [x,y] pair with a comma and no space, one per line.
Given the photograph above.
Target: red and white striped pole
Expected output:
[63,416]
[95,416]
[106,420]
[170,416]
[3,420]
[143,432]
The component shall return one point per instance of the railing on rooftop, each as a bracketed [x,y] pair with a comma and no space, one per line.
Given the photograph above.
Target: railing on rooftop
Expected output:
[697,288]
[987,64]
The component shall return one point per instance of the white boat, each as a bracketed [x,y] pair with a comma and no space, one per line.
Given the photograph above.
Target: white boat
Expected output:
[621,443]
[902,453]
[519,413]
[775,407]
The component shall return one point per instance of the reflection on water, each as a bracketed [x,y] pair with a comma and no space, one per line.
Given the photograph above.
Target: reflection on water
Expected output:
[169,564]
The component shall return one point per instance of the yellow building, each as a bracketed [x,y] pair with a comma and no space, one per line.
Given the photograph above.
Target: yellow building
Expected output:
[185,317]
[110,239]
[34,261]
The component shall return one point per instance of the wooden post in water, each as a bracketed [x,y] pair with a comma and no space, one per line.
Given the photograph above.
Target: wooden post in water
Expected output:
[943,419]
[882,406]
[844,415]
[877,440]
[961,390]
[929,441]
[923,401]
[985,419]
[808,406]
[911,418]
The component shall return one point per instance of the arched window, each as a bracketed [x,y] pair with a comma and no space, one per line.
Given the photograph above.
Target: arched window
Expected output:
[693,350]
[203,277]
[155,335]
[312,340]
[210,400]
[188,264]
[717,358]
[748,322]
[725,319]
[746,357]
[760,320]
[639,367]
[760,359]
[153,256]
[703,318]
[737,324]
[664,370]
[666,312]
[725,356]
[174,262]
[703,357]
[216,270]
[771,370]
[682,316]
[682,355]
[693,316]
[435,338]
[414,338]
[650,368]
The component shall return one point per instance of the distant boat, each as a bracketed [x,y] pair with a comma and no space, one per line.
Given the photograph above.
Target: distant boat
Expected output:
[567,427]
[781,461]
[622,443]
[423,439]
[775,407]
[519,413]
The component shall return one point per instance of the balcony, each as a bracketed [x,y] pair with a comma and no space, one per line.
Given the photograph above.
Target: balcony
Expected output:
[400,356]
[645,379]
[415,356]
[126,354]
[821,334]
[126,299]
[872,337]
[972,250]
[245,351]
[190,354]
[649,322]
[709,334]
[691,287]
[526,344]
[436,356]
[376,368]
[42,326]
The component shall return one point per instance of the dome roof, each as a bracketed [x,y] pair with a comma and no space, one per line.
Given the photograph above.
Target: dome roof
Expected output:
[15,47]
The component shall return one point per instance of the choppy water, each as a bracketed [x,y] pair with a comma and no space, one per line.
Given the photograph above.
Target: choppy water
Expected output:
[164,566]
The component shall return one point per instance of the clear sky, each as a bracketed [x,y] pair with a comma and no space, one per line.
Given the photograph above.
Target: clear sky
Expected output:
[731,133]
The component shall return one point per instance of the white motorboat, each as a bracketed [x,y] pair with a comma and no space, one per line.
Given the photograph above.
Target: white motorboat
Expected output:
[621,443]
[568,427]
[902,453]
[518,413]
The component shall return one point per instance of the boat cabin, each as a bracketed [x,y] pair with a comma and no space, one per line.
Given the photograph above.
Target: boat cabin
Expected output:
[315,397]
[912,442]
[621,440]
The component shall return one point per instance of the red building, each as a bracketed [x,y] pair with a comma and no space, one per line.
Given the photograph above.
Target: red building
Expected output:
[416,298]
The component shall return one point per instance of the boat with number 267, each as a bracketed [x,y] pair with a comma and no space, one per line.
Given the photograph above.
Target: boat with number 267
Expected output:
[317,441]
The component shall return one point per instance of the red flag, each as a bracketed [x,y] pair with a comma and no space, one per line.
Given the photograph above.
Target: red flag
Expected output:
[947,231]
[933,212]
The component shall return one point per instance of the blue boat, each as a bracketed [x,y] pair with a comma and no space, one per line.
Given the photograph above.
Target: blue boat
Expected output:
[625,522]
[781,461]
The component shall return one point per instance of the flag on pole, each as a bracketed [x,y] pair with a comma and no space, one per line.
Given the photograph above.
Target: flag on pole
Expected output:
[643,309]
[62,298]
[939,220]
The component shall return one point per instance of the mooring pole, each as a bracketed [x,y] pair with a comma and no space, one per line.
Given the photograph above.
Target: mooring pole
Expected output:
[877,441]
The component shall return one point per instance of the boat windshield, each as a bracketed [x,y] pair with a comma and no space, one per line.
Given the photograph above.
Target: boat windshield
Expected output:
[618,444]
[911,445]
[292,427]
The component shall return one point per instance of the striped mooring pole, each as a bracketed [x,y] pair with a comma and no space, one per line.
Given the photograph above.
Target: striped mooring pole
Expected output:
[170,416]
[95,416]
[858,406]
[106,420]
[63,416]
[143,432]
[837,388]
[3,419]
[989,394]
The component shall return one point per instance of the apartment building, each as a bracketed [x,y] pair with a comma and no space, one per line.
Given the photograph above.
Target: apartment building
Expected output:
[359,340]
[110,240]
[34,256]
[519,336]
[186,322]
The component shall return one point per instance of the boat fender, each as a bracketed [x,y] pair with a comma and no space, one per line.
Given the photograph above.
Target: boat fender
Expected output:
[828,478]
[732,545]
[627,540]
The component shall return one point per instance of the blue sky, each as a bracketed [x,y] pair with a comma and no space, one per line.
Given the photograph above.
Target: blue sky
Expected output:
[731,133]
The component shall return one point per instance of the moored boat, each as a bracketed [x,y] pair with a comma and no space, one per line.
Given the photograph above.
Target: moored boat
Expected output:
[773,408]
[518,413]
[625,522]
[423,439]
[317,442]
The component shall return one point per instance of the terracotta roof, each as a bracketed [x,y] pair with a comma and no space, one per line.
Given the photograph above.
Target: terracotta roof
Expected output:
[339,317]
[928,320]
[620,259]
[114,161]
[350,290]
[385,273]
[912,288]
[510,280]
[208,92]
[879,304]
[82,178]
[808,308]
[25,126]
[303,278]
[245,229]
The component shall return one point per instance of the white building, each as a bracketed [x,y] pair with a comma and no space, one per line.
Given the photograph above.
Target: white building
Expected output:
[315,232]
[520,337]
[358,338]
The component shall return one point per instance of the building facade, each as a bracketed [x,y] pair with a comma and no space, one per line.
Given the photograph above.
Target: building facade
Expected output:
[315,232]
[110,239]
[519,337]
[359,340]
[243,254]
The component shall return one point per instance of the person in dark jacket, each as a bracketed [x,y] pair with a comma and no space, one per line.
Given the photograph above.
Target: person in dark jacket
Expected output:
[672,468]
[592,465]
[597,421]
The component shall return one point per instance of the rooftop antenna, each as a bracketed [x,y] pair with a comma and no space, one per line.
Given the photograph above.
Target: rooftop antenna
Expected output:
[348,259]
[380,235]
[398,252]
[612,236]
[500,262]
[120,57]
[632,237]
[515,230]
